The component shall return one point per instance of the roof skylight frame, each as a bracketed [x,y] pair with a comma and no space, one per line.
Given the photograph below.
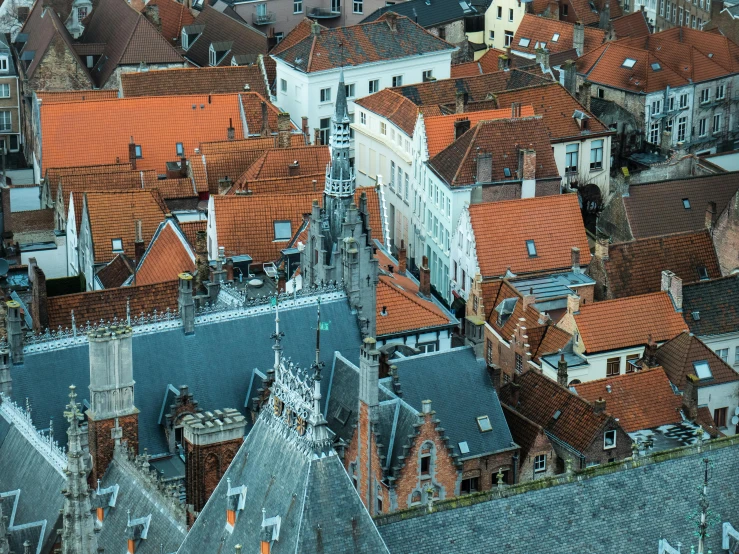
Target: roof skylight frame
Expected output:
[524,42]
[531,248]
[702,369]
[686,203]
[555,37]
[483,422]
[629,63]
[656,66]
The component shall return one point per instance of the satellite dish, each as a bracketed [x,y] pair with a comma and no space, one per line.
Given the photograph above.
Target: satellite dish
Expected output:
[3,267]
[735,420]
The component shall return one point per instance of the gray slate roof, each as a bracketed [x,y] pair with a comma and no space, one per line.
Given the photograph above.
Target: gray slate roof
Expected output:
[320,509]
[428,14]
[717,304]
[460,391]
[626,512]
[216,363]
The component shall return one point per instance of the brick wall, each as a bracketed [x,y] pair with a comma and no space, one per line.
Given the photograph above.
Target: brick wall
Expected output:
[204,467]
[102,444]
[541,446]
[597,454]
[548,188]
[726,237]
[486,469]
[32,220]
[496,193]
[503,354]
[59,70]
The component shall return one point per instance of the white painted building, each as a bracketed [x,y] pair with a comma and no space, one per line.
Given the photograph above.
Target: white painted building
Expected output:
[501,21]
[73,260]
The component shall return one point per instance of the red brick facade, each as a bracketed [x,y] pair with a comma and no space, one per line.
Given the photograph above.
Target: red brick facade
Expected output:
[204,467]
[102,444]
[725,234]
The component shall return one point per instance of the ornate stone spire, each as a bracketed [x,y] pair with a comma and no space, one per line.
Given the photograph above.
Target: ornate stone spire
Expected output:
[78,526]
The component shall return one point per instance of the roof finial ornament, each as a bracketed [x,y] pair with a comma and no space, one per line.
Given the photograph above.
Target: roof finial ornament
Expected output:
[277,337]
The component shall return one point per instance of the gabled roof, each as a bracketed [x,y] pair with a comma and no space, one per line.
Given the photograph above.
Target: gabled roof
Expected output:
[503,246]
[393,106]
[658,208]
[300,183]
[440,129]
[628,322]
[712,307]
[539,398]
[190,230]
[105,182]
[116,272]
[203,80]
[172,189]
[172,16]
[639,400]
[678,355]
[129,39]
[301,31]
[556,106]
[542,30]
[275,162]
[588,11]
[168,255]
[113,216]
[632,25]
[427,14]
[243,39]
[53,174]
[502,138]
[361,44]
[53,97]
[634,268]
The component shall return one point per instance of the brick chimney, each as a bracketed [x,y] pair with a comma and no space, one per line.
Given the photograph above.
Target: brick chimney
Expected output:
[402,258]
[293,169]
[186,303]
[112,415]
[484,167]
[132,154]
[460,101]
[139,247]
[230,132]
[461,126]
[39,301]
[570,80]
[673,285]
[649,358]
[599,406]
[601,248]
[573,304]
[690,397]
[305,129]
[504,63]
[553,9]
[315,29]
[710,215]
[586,92]
[201,260]
[542,58]
[665,139]
[265,131]
[424,279]
[183,167]
[369,368]
[210,440]
[6,381]
[14,331]
[562,378]
[605,17]
[578,38]
[283,130]
[528,164]
[528,299]
[392,20]
[575,256]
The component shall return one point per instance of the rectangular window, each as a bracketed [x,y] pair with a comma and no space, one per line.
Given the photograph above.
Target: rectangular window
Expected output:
[680,17]
[468,486]
[425,465]
[283,230]
[540,463]
[374,85]
[565,9]
[613,367]
[719,417]
[609,440]
[654,133]
[392,174]
[6,122]
[716,123]
[723,353]
[324,131]
[297,6]
[531,248]
[674,13]
[283,85]
[510,14]
[508,38]
[398,81]
[662,8]
[117,245]
[683,100]
[571,158]
[363,118]
[656,107]
[519,363]
[406,187]
[705,95]
[326,95]
[3,63]
[383,128]
[596,154]
[139,152]
[180,149]
[349,90]
[358,6]
[428,75]
[491,36]
[736,356]
[720,92]
[4,90]
[702,127]
[700,23]
[693,22]
[500,12]
[631,362]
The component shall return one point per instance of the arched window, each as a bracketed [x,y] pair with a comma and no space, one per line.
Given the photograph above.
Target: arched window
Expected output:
[574,382]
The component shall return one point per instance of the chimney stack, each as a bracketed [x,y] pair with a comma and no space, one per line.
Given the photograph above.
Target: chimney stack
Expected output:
[6,381]
[315,29]
[570,80]
[424,286]
[516,390]
[528,164]
[426,407]
[605,17]
[553,9]
[665,140]
[599,406]
[139,247]
[562,378]
[461,126]
[392,20]
[573,304]
[690,397]
[673,285]
[183,167]
[649,358]
[132,154]
[14,331]
[283,130]
[293,169]
[460,102]
[402,258]
[265,131]
[710,215]
[39,299]
[578,38]
[504,63]
[484,167]
[586,92]
[305,129]
[230,132]
[186,303]
[575,256]
[528,299]
[601,248]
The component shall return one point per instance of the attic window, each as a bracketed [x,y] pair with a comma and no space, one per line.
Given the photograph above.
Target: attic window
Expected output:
[464,448]
[555,38]
[235,502]
[629,62]
[531,248]
[342,414]
[656,66]
[283,230]
[703,273]
[139,152]
[702,370]
[180,149]
[117,245]
[218,51]
[686,203]
[696,316]
[507,172]
[524,42]
[483,422]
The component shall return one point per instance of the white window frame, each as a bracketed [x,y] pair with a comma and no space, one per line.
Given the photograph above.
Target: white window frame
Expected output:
[613,433]
[283,86]
[116,245]
[3,88]
[720,92]
[540,463]
[282,223]
[297,6]
[349,90]
[325,95]
[508,38]
[374,86]
[397,81]
[572,155]
[702,127]
[3,63]
[717,121]
[358,6]
[596,155]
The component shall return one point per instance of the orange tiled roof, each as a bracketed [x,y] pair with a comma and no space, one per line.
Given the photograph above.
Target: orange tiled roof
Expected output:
[201,80]
[301,183]
[107,304]
[55,97]
[405,310]
[542,30]
[467,69]
[55,173]
[190,230]
[677,356]
[503,245]
[116,272]
[105,182]
[393,106]
[373,207]
[172,17]
[113,215]
[588,11]
[640,400]
[556,106]
[633,25]
[275,162]
[440,129]
[168,255]
[72,131]
[174,188]
[628,322]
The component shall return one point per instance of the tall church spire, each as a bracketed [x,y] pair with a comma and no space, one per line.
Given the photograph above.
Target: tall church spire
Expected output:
[78,531]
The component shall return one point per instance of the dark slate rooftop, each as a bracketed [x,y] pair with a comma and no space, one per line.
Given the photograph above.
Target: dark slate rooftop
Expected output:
[433,376]
[319,508]
[626,512]
[428,14]
[216,362]
[712,307]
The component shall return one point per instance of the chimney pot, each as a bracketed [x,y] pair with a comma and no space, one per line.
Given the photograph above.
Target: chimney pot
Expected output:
[424,286]
[710,215]
[599,406]
[402,258]
[426,406]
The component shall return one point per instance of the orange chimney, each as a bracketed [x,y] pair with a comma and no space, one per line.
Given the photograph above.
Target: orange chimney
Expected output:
[131,546]
[264,547]
[100,514]
[231,517]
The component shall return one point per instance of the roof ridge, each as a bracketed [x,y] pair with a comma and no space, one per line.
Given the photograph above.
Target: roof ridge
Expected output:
[662,237]
[145,98]
[412,297]
[542,199]
[687,178]
[589,305]
[476,131]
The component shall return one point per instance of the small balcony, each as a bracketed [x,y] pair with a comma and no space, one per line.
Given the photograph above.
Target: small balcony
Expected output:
[266,18]
[323,13]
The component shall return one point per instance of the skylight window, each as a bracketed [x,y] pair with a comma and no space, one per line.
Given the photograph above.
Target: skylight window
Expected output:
[629,62]
[531,248]
[702,370]
[555,38]
[464,448]
[117,245]
[283,230]
[507,172]
[180,149]
[703,273]
[139,153]
[686,203]
[656,66]
[483,422]
[524,42]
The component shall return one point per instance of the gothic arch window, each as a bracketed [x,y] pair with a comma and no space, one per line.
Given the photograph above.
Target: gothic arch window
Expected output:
[426,459]
[415,498]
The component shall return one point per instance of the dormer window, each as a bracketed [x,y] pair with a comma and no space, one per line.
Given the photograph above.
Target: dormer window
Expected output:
[270,531]
[218,51]
[190,34]
[703,273]
[103,500]
[3,63]
[629,63]
[235,502]
[137,531]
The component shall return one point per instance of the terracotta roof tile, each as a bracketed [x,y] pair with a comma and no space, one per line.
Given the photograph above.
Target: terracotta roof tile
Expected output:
[588,11]
[503,245]
[639,400]
[168,255]
[107,304]
[174,188]
[373,207]
[542,30]
[502,138]
[524,431]
[116,272]
[301,183]
[361,44]
[298,33]
[275,163]
[705,420]
[113,215]
[201,80]
[440,130]
[540,397]
[393,106]
[466,69]
[676,356]
[655,209]
[54,97]
[634,268]
[716,303]
[53,174]
[633,25]
[190,230]
[556,106]
[172,17]
[243,39]
[628,322]
[105,182]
